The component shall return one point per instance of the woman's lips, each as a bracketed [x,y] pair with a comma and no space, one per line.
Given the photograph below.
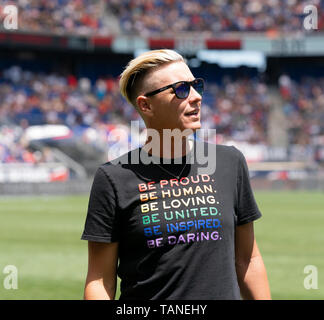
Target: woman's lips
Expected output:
[192,113]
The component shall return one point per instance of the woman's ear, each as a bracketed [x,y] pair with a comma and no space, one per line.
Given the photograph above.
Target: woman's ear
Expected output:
[144,105]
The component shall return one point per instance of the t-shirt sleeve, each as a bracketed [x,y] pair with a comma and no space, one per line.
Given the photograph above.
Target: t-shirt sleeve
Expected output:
[246,207]
[101,223]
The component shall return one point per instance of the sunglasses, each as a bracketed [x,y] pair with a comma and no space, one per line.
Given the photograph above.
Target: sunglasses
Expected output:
[181,88]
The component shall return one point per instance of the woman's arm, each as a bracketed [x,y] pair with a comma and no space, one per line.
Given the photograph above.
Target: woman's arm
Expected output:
[102,276]
[250,269]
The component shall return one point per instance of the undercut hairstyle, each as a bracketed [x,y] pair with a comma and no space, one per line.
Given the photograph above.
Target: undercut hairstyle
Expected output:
[131,80]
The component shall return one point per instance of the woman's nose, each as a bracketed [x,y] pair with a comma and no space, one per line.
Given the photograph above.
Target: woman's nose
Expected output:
[194,95]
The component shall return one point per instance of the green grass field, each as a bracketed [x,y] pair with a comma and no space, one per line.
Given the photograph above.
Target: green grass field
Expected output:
[41,237]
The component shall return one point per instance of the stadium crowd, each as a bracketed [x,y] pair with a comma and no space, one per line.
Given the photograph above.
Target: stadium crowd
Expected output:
[238,109]
[304,109]
[79,17]
[176,16]
[40,98]
[167,17]
[14,149]
[29,99]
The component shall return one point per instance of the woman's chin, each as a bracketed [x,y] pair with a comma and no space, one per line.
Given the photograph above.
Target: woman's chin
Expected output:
[194,126]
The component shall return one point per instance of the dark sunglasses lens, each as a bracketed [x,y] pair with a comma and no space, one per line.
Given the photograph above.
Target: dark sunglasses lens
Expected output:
[182,90]
[199,86]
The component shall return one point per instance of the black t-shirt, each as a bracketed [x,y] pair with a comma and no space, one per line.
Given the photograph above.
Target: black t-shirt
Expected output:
[176,236]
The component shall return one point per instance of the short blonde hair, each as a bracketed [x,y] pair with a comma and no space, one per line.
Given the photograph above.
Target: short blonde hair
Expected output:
[135,71]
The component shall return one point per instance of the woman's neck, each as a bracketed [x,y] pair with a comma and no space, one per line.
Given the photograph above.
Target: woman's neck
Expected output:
[168,148]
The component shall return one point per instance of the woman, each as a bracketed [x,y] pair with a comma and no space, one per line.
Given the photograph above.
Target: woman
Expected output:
[178,232]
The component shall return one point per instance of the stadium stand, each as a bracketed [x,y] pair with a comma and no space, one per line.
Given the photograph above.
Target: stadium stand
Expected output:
[75,114]
[238,108]
[13,149]
[173,16]
[62,16]
[147,18]
[52,98]
[304,109]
